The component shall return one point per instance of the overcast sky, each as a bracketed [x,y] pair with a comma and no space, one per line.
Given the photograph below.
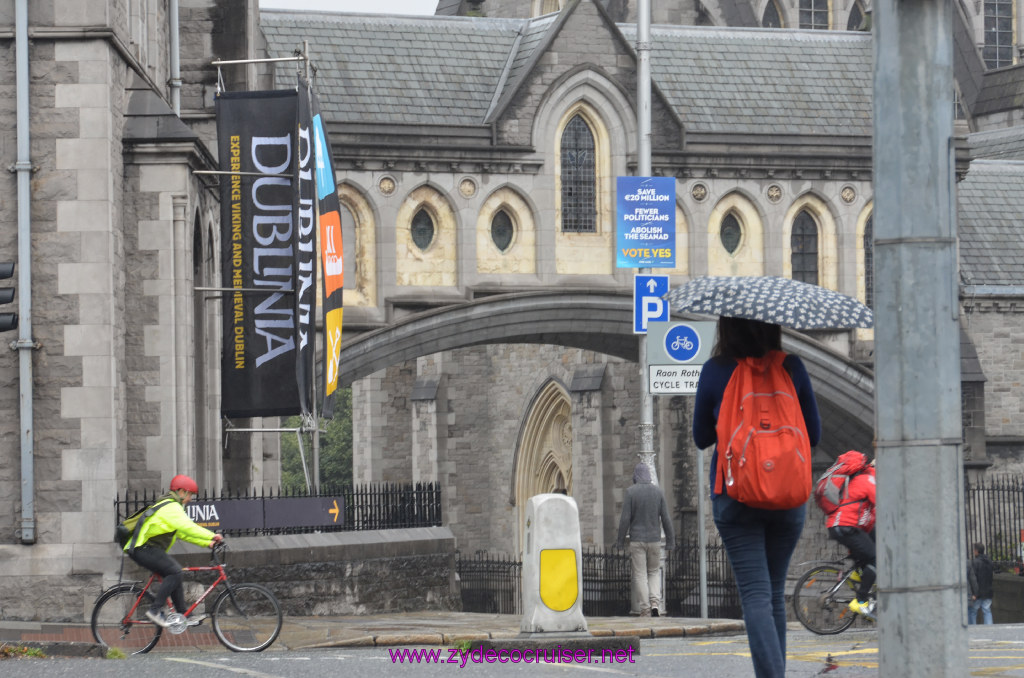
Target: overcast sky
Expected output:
[362,6]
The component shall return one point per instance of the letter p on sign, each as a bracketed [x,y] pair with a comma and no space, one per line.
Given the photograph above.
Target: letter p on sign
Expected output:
[648,305]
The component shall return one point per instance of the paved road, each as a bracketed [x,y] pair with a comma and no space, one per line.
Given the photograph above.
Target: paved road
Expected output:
[993,650]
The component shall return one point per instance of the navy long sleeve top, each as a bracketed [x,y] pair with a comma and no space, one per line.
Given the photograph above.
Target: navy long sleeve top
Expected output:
[711,387]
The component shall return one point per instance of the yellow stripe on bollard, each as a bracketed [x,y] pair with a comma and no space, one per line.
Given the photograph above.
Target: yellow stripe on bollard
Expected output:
[558,587]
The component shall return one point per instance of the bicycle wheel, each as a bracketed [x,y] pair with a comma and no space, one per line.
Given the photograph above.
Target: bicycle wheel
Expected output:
[246,618]
[119,620]
[820,600]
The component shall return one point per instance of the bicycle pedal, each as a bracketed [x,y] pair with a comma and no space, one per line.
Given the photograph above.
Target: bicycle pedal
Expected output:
[176,623]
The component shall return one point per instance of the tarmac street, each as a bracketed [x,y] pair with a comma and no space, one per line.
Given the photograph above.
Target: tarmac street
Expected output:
[438,643]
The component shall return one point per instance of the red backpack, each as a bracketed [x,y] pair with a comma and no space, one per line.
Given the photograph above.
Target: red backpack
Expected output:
[831,487]
[764,455]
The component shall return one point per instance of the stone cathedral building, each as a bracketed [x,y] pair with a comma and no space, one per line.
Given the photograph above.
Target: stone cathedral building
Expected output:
[488,338]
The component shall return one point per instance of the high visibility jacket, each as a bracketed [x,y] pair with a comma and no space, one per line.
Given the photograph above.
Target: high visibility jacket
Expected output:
[170,522]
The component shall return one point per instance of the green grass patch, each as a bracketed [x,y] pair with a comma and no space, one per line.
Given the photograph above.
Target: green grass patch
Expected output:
[8,651]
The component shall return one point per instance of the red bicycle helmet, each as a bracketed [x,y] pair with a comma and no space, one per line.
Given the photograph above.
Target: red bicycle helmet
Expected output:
[180,482]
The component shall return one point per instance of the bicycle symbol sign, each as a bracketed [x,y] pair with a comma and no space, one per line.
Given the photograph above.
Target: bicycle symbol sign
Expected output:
[682,343]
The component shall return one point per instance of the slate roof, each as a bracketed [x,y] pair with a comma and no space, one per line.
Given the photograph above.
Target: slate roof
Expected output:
[1002,90]
[991,213]
[396,69]
[446,70]
[1000,144]
[764,80]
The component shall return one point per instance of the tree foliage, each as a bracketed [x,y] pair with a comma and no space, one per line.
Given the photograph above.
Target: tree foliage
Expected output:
[335,449]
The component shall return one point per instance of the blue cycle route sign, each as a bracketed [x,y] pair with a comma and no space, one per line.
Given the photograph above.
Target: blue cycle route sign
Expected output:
[682,343]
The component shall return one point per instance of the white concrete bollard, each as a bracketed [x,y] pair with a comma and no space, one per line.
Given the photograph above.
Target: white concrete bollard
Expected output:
[552,566]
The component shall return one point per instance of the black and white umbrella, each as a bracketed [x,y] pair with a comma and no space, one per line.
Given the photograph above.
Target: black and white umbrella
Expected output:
[771,299]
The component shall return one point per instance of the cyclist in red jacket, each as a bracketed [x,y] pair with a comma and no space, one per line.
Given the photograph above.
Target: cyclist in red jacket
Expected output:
[852,524]
[156,537]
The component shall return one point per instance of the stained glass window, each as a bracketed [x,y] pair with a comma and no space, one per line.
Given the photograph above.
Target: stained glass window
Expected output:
[502,230]
[579,177]
[422,229]
[804,246]
[730,233]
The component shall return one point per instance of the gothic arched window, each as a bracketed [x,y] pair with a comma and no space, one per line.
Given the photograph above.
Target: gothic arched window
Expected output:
[422,229]
[771,18]
[730,232]
[856,18]
[579,178]
[804,248]
[502,230]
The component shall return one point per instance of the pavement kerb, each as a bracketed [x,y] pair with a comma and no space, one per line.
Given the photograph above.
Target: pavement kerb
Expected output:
[402,629]
[450,638]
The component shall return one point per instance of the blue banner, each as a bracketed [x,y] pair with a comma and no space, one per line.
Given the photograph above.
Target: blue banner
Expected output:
[646,223]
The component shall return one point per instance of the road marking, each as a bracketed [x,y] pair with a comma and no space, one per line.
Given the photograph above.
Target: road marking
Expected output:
[247,672]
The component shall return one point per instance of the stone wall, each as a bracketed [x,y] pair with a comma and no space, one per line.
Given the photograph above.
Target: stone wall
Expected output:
[311,574]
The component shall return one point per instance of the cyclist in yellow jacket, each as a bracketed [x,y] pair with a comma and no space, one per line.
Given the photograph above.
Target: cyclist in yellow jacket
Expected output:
[156,537]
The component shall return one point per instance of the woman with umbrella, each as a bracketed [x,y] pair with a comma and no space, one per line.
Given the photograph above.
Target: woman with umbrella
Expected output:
[758,541]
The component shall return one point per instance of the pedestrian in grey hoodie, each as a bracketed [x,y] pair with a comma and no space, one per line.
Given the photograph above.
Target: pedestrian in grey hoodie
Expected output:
[644,515]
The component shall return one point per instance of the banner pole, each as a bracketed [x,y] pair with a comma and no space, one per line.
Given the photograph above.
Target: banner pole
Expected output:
[314,419]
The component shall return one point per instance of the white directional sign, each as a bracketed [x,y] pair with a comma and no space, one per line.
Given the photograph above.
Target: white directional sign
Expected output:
[676,353]
[648,305]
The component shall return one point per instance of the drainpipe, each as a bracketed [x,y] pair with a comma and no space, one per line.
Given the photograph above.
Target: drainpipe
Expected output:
[175,48]
[24,345]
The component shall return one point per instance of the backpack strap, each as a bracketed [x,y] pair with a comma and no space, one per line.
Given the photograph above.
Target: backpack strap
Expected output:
[138,525]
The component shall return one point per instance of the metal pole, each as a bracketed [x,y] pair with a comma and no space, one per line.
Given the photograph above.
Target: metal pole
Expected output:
[175,54]
[314,418]
[702,539]
[921,559]
[25,344]
[643,169]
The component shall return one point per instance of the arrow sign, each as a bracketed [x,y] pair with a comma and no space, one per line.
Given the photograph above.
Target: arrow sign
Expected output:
[648,305]
[335,510]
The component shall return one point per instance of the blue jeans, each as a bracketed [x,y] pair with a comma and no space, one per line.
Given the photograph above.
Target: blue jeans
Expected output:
[759,544]
[985,605]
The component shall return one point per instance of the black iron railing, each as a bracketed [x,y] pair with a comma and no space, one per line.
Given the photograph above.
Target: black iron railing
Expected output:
[361,507]
[994,516]
[492,583]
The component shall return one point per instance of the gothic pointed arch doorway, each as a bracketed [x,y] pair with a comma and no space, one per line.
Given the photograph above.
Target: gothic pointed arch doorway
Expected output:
[543,459]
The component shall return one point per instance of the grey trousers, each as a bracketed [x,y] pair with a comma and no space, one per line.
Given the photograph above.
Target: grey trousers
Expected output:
[645,561]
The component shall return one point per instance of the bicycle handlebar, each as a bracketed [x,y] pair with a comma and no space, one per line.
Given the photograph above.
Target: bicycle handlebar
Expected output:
[217,552]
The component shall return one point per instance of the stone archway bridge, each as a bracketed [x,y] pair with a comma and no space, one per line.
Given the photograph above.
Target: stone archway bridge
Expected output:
[600,321]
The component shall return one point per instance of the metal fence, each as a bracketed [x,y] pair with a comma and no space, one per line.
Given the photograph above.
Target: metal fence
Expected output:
[361,507]
[492,583]
[994,516]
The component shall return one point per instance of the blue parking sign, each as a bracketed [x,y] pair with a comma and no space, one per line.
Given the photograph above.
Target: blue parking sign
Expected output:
[648,305]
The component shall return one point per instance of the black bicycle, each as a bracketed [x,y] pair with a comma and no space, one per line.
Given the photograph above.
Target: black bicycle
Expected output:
[821,598]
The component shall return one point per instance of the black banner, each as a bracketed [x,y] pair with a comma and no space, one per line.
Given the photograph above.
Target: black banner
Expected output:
[305,252]
[275,513]
[257,134]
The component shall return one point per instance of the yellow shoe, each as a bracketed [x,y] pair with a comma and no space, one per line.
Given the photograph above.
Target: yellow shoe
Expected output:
[866,609]
[855,576]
